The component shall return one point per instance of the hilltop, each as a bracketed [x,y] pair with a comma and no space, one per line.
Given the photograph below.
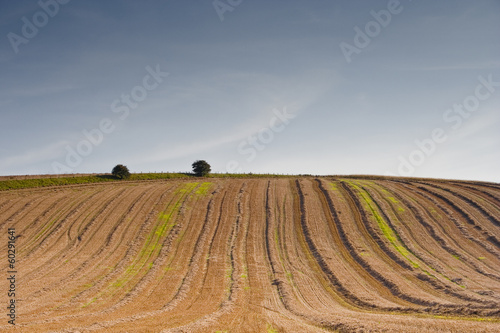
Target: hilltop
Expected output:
[253,253]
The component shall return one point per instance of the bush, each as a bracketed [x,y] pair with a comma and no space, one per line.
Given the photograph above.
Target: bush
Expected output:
[121,171]
[201,168]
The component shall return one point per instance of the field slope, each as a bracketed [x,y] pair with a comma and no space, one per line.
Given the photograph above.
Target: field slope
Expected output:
[291,254]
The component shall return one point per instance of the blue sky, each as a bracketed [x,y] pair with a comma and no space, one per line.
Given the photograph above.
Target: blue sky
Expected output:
[407,88]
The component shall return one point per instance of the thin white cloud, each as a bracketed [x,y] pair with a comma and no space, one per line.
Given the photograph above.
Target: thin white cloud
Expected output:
[32,156]
[37,91]
[493,64]
[296,98]
[478,123]
[235,135]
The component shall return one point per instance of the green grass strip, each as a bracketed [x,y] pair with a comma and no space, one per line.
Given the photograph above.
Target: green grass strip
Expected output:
[203,189]
[14,184]
[384,227]
[152,245]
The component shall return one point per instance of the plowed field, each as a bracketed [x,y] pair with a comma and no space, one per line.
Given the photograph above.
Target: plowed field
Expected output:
[298,254]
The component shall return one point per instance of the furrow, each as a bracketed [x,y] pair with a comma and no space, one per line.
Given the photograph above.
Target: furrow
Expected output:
[406,240]
[374,278]
[434,230]
[487,235]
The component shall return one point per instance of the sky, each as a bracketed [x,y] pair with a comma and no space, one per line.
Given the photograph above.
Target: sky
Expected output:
[404,88]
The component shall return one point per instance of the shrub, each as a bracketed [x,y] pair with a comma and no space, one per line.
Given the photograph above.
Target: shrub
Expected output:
[121,171]
[201,168]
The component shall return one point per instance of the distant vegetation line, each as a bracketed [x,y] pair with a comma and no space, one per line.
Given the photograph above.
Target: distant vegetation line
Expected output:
[80,179]
[32,181]
[18,183]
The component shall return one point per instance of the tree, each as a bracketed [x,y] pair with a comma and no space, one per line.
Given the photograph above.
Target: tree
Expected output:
[121,171]
[201,168]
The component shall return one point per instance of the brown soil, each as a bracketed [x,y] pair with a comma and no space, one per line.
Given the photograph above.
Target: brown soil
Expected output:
[255,255]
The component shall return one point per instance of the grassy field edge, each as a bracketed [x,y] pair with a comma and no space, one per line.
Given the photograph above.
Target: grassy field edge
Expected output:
[33,181]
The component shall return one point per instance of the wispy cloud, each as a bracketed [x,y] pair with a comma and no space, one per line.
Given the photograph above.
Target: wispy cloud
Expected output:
[493,64]
[33,156]
[488,119]
[37,91]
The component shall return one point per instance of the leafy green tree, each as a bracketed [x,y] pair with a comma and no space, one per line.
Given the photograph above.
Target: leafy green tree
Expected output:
[121,171]
[201,168]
